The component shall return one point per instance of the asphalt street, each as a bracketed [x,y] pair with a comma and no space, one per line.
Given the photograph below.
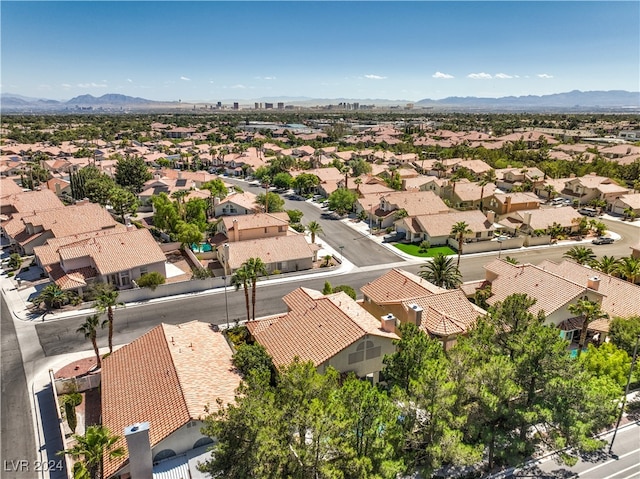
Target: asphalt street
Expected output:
[624,463]
[18,450]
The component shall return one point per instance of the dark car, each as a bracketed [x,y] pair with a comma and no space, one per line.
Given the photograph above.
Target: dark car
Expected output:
[602,240]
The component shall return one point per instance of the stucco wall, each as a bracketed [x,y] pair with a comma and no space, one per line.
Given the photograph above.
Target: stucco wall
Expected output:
[181,440]
[367,366]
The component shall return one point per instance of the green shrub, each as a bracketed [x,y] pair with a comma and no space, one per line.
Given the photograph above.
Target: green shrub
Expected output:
[276,271]
[151,280]
[424,247]
[201,273]
[348,290]
[10,274]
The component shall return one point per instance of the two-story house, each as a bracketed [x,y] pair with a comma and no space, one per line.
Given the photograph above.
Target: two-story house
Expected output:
[331,331]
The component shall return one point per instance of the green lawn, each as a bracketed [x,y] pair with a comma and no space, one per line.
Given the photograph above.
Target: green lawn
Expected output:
[413,250]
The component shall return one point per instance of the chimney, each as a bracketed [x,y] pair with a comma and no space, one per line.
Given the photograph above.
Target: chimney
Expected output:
[507,204]
[140,460]
[216,201]
[236,233]
[526,219]
[57,187]
[180,174]
[491,216]
[389,323]
[415,314]
[593,283]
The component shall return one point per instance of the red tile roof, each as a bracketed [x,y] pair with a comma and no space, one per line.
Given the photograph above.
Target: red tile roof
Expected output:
[166,377]
[316,329]
[397,285]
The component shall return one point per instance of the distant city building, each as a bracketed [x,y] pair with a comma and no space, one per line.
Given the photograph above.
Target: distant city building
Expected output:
[236,106]
[268,106]
[280,106]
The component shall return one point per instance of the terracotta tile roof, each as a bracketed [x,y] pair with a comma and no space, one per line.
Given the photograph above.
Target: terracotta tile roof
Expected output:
[245,200]
[551,291]
[416,202]
[33,201]
[631,200]
[165,377]
[9,187]
[71,279]
[397,285]
[446,313]
[67,220]
[611,188]
[473,191]
[301,297]
[441,224]
[48,253]
[517,198]
[257,220]
[621,298]
[318,330]
[543,219]
[116,252]
[271,250]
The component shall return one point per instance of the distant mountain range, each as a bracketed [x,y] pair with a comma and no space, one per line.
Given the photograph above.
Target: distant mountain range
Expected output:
[574,101]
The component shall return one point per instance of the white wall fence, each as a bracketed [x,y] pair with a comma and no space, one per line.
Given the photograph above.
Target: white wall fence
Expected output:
[79,384]
[537,240]
[67,459]
[172,289]
[483,246]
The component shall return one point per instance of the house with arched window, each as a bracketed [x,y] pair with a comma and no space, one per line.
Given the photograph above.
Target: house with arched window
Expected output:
[329,330]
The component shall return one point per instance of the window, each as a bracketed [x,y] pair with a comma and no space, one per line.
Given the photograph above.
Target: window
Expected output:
[364,351]
[143,270]
[478,234]
[124,278]
[164,454]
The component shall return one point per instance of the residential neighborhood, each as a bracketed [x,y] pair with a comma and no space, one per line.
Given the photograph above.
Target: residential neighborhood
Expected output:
[178,273]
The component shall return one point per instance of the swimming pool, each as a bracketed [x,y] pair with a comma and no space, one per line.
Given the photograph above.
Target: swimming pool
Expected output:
[201,248]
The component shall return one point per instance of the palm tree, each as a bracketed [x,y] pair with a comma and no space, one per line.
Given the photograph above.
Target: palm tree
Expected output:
[442,272]
[52,296]
[256,268]
[590,311]
[551,191]
[458,231]
[314,228]
[241,279]
[179,197]
[629,213]
[487,178]
[439,167]
[107,300]
[607,265]
[89,329]
[629,268]
[91,448]
[580,254]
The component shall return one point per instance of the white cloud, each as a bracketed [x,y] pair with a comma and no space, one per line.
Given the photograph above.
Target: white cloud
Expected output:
[544,75]
[92,85]
[129,80]
[503,76]
[445,76]
[65,85]
[238,87]
[185,79]
[375,77]
[479,76]
[265,78]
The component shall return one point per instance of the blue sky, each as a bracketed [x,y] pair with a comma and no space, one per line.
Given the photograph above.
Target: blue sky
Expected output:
[209,51]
